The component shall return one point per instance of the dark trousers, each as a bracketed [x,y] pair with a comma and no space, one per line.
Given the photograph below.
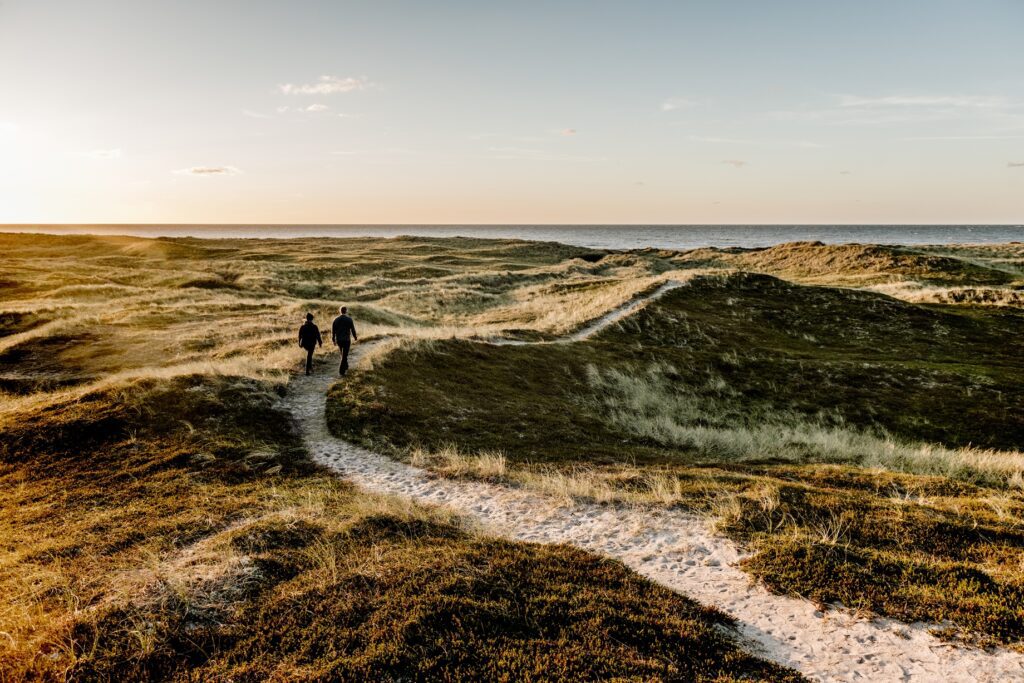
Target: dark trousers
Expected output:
[344,346]
[309,360]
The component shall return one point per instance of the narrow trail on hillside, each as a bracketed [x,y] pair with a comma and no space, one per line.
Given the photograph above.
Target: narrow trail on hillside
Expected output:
[673,548]
[595,326]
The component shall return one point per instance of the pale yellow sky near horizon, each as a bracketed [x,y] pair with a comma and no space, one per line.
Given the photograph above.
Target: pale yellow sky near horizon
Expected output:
[578,112]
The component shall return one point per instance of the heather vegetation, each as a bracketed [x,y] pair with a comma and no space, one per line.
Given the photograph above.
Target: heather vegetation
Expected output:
[163,521]
[176,530]
[866,450]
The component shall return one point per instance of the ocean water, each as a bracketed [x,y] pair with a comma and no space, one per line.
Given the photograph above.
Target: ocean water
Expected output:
[594,236]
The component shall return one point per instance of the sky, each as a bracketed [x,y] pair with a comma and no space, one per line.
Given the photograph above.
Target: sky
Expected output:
[579,112]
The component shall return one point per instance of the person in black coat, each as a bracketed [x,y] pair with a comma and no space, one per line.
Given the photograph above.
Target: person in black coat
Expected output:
[341,328]
[309,338]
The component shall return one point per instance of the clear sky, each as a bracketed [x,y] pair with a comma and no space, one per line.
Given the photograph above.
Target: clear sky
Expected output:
[721,111]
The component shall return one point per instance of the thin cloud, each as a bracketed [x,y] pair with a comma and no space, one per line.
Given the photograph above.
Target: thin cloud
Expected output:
[254,114]
[106,153]
[857,110]
[954,138]
[568,131]
[846,173]
[1015,164]
[325,85]
[736,163]
[316,108]
[956,101]
[865,116]
[677,103]
[207,171]
[8,128]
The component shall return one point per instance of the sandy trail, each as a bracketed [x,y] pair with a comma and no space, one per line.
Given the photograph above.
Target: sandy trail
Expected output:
[673,548]
[595,326]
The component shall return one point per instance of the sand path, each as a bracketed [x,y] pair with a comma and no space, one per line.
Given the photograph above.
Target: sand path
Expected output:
[673,548]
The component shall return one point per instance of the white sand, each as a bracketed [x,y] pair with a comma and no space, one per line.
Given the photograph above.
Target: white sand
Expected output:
[672,548]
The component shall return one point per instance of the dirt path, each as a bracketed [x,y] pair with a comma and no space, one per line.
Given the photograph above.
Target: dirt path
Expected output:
[673,548]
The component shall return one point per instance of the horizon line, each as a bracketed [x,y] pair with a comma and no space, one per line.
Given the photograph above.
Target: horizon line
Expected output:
[502,225]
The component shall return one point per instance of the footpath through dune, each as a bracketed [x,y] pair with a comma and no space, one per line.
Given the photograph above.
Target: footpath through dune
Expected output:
[673,548]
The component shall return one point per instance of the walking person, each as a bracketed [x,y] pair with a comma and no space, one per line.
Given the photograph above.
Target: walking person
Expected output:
[309,337]
[341,328]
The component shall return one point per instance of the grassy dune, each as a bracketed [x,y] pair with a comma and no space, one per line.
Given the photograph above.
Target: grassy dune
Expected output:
[988,275]
[80,309]
[868,450]
[161,520]
[177,531]
[725,353]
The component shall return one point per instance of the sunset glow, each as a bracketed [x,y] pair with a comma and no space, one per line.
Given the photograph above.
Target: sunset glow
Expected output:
[467,112]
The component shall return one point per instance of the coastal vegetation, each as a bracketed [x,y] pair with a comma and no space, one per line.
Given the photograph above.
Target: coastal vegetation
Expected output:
[858,429]
[162,520]
[865,450]
[177,530]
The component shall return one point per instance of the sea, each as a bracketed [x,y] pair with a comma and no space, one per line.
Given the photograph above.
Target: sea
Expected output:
[678,237]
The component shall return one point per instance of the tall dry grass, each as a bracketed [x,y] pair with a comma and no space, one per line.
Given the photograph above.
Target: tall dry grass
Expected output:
[450,461]
[629,485]
[649,405]
[109,310]
[624,484]
[917,293]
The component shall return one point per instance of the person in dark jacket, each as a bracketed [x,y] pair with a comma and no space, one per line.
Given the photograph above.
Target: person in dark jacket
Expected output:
[309,337]
[341,328]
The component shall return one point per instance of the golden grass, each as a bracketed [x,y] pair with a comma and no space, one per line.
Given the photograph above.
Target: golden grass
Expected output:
[649,405]
[973,295]
[134,307]
[110,315]
[450,461]
[128,557]
[860,265]
[165,542]
[561,308]
[622,484]
[626,484]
